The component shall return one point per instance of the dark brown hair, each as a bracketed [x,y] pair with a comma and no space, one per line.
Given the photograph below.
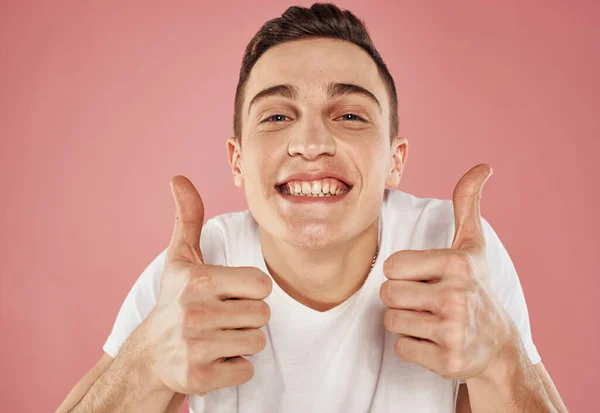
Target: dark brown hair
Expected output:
[320,20]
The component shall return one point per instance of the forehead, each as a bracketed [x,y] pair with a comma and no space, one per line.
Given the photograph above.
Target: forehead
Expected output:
[311,64]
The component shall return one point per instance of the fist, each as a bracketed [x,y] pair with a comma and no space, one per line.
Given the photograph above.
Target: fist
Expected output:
[207,317]
[440,301]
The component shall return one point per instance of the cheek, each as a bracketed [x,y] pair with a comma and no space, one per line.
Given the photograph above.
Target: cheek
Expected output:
[266,148]
[258,165]
[371,158]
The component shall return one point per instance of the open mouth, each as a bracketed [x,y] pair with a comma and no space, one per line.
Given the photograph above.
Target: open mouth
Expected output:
[328,187]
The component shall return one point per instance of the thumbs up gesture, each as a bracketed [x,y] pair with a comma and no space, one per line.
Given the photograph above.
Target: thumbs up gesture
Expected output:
[206,316]
[440,300]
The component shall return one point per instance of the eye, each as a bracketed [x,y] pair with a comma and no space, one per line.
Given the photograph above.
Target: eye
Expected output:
[275,118]
[352,117]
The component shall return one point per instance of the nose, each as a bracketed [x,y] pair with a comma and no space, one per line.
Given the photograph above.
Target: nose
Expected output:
[312,140]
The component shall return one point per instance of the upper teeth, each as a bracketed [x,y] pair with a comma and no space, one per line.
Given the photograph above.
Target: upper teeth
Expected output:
[322,187]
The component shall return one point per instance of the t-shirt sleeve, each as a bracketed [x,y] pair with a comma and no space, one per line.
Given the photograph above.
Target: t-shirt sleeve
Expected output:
[142,297]
[507,288]
[138,303]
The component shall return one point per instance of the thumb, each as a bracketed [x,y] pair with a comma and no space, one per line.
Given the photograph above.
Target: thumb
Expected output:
[189,218]
[468,233]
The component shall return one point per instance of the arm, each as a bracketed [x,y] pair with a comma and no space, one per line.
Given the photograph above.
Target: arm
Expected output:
[520,377]
[102,389]
[514,387]
[550,388]
[85,384]
[463,404]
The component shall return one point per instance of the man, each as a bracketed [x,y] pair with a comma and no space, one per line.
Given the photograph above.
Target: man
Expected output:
[335,292]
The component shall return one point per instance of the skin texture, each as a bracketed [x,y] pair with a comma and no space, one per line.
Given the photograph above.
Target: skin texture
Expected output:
[463,404]
[88,380]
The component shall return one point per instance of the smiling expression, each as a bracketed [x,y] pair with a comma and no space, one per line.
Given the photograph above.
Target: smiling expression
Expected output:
[316,154]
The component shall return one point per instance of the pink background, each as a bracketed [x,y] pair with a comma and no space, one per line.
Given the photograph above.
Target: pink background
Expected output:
[101,104]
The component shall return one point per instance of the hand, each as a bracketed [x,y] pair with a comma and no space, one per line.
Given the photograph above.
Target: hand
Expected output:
[440,300]
[206,316]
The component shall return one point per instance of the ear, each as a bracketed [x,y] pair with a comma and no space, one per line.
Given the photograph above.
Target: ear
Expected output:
[235,161]
[398,155]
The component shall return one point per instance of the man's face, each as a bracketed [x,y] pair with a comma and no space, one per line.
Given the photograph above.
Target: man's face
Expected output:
[314,134]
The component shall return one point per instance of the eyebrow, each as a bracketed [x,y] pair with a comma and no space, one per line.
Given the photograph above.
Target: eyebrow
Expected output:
[287,91]
[333,90]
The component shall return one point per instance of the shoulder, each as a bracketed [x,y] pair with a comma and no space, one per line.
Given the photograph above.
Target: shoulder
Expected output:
[400,205]
[419,223]
[230,223]
[430,220]
[219,235]
[225,234]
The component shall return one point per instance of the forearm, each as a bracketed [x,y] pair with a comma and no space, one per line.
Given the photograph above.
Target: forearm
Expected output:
[510,385]
[126,386]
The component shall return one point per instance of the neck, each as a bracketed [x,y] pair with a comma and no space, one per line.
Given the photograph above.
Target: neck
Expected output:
[321,278]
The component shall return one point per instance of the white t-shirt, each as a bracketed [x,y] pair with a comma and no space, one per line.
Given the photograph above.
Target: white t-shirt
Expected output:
[341,360]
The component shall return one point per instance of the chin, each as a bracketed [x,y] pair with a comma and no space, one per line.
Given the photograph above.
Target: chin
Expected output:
[311,235]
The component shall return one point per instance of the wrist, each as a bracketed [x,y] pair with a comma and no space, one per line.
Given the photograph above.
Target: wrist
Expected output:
[507,377]
[510,383]
[137,367]
[511,358]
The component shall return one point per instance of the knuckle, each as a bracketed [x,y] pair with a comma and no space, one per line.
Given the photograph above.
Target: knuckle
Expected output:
[455,301]
[385,292]
[401,348]
[389,265]
[264,312]
[452,336]
[199,350]
[388,319]
[457,263]
[205,314]
[247,372]
[200,316]
[259,340]
[265,282]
